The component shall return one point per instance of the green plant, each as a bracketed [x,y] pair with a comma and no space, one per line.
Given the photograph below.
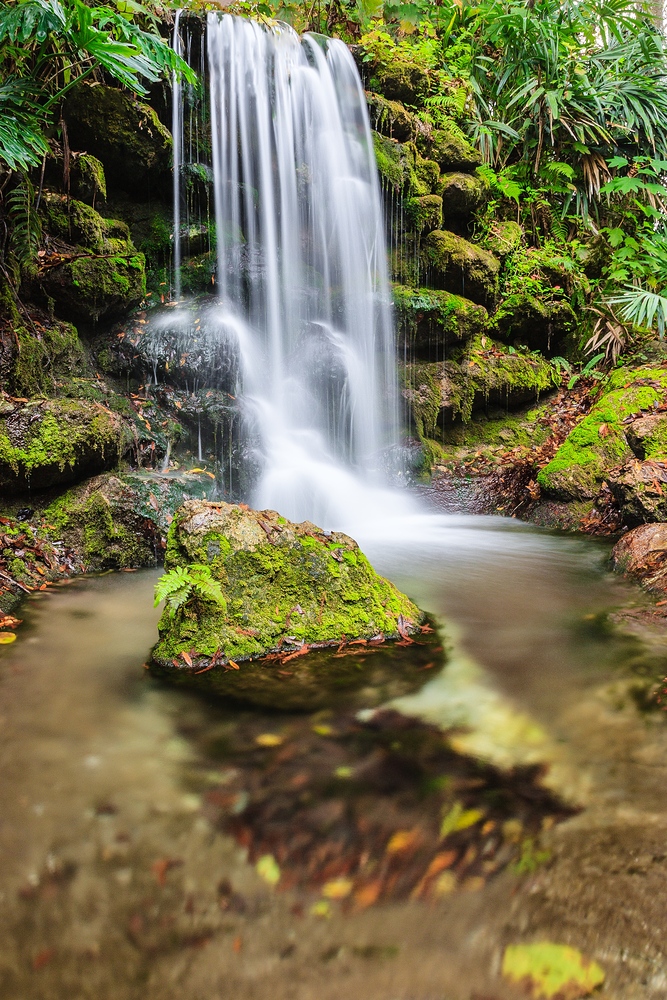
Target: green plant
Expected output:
[589,371]
[26,228]
[182,585]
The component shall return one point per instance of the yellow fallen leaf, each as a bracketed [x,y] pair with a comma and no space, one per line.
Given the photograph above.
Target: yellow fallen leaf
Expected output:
[7,637]
[321,909]
[402,840]
[196,470]
[268,740]
[444,884]
[338,888]
[267,868]
[324,730]
[459,818]
[550,970]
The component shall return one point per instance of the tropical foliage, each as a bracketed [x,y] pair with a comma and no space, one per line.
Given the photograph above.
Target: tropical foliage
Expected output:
[182,585]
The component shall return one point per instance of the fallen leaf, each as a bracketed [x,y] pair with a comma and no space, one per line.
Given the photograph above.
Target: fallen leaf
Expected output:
[338,888]
[267,868]
[459,818]
[187,658]
[7,637]
[321,909]
[368,895]
[237,944]
[268,740]
[551,970]
[403,840]
[43,958]
[162,866]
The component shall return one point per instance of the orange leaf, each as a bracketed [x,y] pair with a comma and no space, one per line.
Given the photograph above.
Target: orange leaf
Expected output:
[187,658]
[403,840]
[237,944]
[234,666]
[367,895]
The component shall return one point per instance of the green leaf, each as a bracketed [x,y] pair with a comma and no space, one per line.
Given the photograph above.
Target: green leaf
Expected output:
[267,868]
[551,970]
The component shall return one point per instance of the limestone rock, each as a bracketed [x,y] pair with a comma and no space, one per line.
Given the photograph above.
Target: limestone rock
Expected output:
[288,589]
[461,267]
[640,489]
[45,443]
[642,555]
[598,447]
[429,319]
[125,134]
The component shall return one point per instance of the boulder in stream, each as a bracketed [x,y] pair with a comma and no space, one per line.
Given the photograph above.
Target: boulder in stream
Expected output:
[642,555]
[300,619]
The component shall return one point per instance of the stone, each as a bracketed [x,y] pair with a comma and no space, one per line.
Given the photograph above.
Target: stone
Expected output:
[88,181]
[640,489]
[534,323]
[458,266]
[49,442]
[120,521]
[402,167]
[598,447]
[450,150]
[401,79]
[482,376]
[291,591]
[647,435]
[429,319]
[462,195]
[390,118]
[642,555]
[503,238]
[125,134]
[424,214]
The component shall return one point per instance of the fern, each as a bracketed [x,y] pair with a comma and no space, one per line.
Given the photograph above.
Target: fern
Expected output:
[183,584]
[25,225]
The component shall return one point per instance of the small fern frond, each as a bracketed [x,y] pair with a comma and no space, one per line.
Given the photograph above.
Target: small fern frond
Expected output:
[170,583]
[180,585]
[26,230]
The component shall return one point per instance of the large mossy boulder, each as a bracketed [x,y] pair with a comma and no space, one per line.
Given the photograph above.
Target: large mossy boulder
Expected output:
[640,490]
[503,238]
[391,119]
[450,149]
[535,323]
[483,377]
[291,592]
[49,442]
[429,319]
[120,521]
[458,266]
[462,195]
[641,554]
[424,214]
[125,134]
[403,168]
[599,446]
[101,275]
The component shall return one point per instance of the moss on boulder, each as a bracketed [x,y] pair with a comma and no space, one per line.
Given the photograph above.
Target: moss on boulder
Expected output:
[424,214]
[483,377]
[462,194]
[430,319]
[599,445]
[117,521]
[401,79]
[79,224]
[125,134]
[46,351]
[88,180]
[450,149]
[47,442]
[458,266]
[543,325]
[403,168]
[288,588]
[503,238]
[391,119]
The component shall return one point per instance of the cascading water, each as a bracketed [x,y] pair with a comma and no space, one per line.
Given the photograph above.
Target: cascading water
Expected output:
[303,297]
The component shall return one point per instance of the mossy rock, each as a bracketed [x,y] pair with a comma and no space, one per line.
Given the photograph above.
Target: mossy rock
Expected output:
[116,521]
[90,288]
[450,150]
[402,167]
[288,588]
[391,119]
[640,490]
[125,134]
[402,79]
[49,442]
[598,446]
[462,194]
[47,351]
[535,323]
[428,319]
[424,214]
[458,266]
[483,377]
[88,181]
[79,224]
[503,238]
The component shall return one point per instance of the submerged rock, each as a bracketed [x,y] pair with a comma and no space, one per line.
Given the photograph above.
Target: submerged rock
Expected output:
[461,267]
[597,448]
[642,555]
[289,592]
[49,442]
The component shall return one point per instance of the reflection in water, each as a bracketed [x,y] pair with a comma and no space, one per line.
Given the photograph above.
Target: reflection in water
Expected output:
[115,885]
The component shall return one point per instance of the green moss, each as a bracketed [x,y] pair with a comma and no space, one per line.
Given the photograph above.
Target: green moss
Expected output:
[450,149]
[88,178]
[542,323]
[462,194]
[51,441]
[45,352]
[425,213]
[461,267]
[427,317]
[598,444]
[101,540]
[79,224]
[402,167]
[503,238]
[391,118]
[282,583]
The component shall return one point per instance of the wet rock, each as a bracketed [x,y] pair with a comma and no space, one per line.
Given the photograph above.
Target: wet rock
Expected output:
[647,435]
[48,442]
[402,167]
[117,521]
[290,591]
[424,214]
[458,266]
[503,238]
[391,119]
[125,134]
[642,555]
[597,448]
[640,489]
[483,376]
[402,79]
[429,319]
[462,194]
[534,323]
[88,181]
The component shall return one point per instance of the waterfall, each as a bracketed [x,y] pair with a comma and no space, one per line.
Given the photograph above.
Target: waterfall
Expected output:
[303,297]
[177,138]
